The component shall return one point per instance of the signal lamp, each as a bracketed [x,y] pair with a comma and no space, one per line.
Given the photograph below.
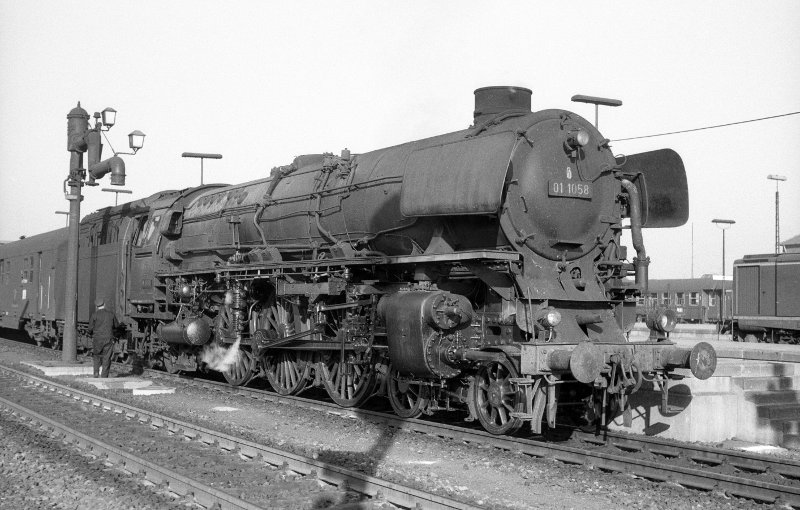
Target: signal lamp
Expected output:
[136,140]
[109,117]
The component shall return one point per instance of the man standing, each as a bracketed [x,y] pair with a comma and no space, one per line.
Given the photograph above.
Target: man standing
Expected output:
[102,326]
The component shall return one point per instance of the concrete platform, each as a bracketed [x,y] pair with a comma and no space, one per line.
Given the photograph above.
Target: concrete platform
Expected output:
[117,383]
[753,396]
[154,389]
[137,385]
[59,368]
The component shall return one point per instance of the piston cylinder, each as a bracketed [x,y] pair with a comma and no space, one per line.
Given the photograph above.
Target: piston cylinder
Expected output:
[420,327]
[193,331]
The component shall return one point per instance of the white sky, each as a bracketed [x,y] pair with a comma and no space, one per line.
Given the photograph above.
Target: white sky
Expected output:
[261,82]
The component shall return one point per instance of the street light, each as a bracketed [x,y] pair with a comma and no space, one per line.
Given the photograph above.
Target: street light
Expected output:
[777,179]
[81,138]
[117,191]
[596,101]
[65,213]
[202,156]
[722,225]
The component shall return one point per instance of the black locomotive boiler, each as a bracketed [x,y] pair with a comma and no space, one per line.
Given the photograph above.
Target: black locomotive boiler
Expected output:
[479,270]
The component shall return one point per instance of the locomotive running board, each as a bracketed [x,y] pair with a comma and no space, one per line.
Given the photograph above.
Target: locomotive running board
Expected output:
[454,257]
[494,255]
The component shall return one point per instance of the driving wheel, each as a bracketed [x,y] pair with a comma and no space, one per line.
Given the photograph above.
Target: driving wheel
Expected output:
[287,371]
[349,384]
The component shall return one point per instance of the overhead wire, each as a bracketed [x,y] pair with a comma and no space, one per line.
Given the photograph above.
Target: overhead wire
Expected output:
[706,127]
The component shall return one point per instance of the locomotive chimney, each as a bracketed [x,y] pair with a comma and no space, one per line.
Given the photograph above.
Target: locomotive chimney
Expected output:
[490,101]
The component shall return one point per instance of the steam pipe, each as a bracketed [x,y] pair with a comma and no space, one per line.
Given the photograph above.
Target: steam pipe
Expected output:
[115,165]
[256,220]
[641,261]
[94,147]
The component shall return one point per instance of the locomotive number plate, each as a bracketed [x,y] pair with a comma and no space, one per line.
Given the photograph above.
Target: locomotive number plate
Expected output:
[569,189]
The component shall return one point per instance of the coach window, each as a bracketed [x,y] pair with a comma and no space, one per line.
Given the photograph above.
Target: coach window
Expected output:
[29,272]
[712,299]
[679,298]
[665,298]
[694,298]
[5,268]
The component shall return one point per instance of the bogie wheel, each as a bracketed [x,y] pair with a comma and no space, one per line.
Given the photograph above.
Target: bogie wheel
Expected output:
[242,369]
[287,372]
[408,399]
[494,398]
[349,384]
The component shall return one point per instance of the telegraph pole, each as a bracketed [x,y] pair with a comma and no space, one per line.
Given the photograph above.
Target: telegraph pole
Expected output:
[723,225]
[777,179]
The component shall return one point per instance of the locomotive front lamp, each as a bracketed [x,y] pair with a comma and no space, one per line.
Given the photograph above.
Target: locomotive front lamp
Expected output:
[661,321]
[665,321]
[549,318]
[136,140]
[109,117]
[577,139]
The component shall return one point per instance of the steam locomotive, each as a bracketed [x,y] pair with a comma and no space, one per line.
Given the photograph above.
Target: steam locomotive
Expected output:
[479,270]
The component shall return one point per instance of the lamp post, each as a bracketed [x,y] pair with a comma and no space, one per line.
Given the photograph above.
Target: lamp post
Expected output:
[81,138]
[596,101]
[65,213]
[777,179]
[202,156]
[722,225]
[116,193]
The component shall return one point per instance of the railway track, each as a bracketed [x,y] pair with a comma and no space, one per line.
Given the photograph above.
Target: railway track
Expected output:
[742,474]
[754,476]
[126,428]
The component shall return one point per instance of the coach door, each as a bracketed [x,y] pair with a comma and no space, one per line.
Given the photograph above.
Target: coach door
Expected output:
[26,298]
[140,275]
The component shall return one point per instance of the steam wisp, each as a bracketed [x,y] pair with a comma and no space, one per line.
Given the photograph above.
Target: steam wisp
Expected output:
[218,358]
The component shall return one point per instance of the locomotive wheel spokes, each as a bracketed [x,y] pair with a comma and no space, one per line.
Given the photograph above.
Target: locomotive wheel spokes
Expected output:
[286,374]
[408,399]
[242,370]
[494,397]
[349,384]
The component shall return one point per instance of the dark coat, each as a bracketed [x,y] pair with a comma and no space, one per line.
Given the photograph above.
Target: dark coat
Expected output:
[101,327]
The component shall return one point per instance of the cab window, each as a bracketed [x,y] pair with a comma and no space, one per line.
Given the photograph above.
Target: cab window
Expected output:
[148,228]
